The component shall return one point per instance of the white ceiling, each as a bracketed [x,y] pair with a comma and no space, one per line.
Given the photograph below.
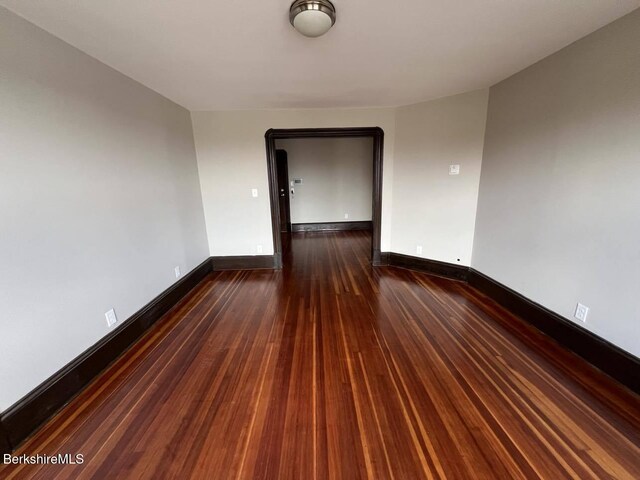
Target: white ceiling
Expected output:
[236,54]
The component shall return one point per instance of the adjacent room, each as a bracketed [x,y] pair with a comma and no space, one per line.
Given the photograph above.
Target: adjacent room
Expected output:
[324,185]
[320,239]
[337,194]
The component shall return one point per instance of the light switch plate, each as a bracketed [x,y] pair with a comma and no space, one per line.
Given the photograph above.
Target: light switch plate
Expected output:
[454,169]
[254,192]
[111,318]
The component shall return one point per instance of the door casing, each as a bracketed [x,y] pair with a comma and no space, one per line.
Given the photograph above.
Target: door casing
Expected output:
[376,133]
[283,190]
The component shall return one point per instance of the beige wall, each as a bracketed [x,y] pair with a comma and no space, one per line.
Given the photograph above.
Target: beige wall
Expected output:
[337,178]
[99,201]
[559,208]
[430,207]
[232,161]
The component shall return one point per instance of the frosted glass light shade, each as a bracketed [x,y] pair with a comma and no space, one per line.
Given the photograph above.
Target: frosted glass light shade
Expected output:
[312,18]
[312,23]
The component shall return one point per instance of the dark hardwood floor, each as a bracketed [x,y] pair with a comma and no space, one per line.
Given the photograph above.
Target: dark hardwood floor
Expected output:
[331,368]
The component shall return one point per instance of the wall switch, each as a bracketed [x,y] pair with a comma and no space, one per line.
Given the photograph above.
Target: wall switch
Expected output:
[258,248]
[177,271]
[346,215]
[454,169]
[419,249]
[111,318]
[581,312]
[254,192]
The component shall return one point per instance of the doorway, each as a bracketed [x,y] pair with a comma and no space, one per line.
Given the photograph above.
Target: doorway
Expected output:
[277,205]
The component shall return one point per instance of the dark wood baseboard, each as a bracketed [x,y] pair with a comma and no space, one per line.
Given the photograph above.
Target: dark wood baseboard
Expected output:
[434,267]
[617,363]
[379,259]
[245,262]
[25,416]
[331,226]
[5,446]
[612,360]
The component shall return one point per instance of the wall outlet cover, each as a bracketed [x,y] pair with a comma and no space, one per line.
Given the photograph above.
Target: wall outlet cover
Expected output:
[258,248]
[177,271]
[581,312]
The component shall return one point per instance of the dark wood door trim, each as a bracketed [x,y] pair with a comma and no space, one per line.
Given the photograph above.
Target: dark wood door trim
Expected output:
[376,133]
[282,166]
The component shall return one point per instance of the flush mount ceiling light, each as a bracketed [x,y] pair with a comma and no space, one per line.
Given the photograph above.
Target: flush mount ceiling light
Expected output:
[312,18]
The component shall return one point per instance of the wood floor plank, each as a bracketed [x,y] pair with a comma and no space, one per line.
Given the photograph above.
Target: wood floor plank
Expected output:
[332,368]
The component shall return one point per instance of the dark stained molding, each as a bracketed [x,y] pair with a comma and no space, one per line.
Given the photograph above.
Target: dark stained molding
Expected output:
[379,259]
[612,360]
[244,262]
[25,416]
[331,226]
[376,133]
[433,267]
[5,446]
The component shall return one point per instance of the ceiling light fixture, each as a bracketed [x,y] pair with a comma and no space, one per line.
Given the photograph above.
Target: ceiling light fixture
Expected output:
[312,18]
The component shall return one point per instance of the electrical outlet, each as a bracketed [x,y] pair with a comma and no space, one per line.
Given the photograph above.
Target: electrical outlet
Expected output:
[111,318]
[258,248]
[177,271]
[419,249]
[346,215]
[581,312]
[254,192]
